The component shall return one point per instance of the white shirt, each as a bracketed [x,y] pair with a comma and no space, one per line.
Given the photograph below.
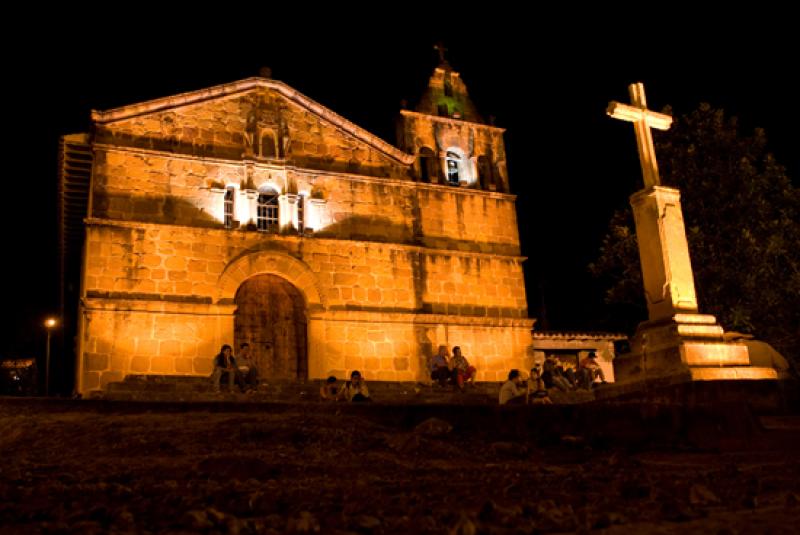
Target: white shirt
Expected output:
[508,391]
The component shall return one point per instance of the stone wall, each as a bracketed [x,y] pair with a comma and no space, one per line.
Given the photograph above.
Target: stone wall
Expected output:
[122,337]
[260,124]
[133,185]
[156,298]
[397,347]
[389,268]
[173,262]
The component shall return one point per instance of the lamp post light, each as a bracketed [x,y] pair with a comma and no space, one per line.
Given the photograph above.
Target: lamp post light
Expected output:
[49,324]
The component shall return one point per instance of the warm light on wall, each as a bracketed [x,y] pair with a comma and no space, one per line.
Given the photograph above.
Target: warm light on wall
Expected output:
[50,323]
[246,203]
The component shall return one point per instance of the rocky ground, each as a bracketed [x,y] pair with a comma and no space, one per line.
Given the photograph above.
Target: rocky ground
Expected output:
[104,467]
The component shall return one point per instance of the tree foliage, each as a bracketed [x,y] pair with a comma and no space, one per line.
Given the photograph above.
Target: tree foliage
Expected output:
[742,217]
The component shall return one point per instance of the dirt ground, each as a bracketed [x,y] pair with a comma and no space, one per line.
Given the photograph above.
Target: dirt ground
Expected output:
[72,467]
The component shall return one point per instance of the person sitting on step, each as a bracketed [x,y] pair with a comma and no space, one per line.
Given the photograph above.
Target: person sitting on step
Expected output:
[329,391]
[510,392]
[247,367]
[440,367]
[464,373]
[553,374]
[225,363]
[537,390]
[590,370]
[355,389]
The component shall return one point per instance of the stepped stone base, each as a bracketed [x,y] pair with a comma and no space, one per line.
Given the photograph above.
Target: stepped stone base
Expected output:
[686,347]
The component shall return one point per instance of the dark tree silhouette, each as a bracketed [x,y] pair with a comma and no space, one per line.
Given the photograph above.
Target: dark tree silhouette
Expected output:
[742,217]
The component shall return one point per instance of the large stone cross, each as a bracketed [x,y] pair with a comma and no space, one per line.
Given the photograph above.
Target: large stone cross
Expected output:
[642,119]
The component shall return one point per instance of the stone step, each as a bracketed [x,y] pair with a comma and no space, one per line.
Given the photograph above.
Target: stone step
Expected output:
[732,373]
[199,389]
[164,383]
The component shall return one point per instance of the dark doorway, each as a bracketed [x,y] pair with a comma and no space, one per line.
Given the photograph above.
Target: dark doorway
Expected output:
[271,317]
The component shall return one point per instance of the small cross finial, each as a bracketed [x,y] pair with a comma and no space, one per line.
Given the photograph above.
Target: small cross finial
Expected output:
[440,48]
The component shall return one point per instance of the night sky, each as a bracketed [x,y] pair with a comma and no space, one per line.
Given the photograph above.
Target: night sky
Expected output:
[547,79]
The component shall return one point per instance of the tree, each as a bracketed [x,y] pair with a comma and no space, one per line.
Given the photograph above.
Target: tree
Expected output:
[742,217]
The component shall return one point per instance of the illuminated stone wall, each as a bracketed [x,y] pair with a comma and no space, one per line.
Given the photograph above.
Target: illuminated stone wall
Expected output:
[260,123]
[389,268]
[184,263]
[133,185]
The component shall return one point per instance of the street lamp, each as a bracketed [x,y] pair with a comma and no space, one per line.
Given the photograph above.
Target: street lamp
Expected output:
[49,324]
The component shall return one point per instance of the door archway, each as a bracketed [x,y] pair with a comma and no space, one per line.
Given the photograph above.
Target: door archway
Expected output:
[271,317]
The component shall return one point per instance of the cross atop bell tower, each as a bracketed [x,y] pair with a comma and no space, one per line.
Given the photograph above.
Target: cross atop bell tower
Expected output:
[440,48]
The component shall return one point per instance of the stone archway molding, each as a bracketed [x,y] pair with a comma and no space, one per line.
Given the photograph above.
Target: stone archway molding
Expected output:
[293,270]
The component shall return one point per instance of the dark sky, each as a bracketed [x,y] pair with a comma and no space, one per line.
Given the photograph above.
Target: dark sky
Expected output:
[546,78]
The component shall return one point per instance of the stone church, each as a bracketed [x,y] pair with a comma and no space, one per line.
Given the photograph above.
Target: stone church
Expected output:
[248,212]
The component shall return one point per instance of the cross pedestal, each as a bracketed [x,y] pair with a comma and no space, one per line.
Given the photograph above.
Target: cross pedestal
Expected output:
[676,343]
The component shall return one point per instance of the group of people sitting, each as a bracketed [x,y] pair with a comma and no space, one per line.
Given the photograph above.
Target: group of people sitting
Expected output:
[549,375]
[354,390]
[240,369]
[555,374]
[455,370]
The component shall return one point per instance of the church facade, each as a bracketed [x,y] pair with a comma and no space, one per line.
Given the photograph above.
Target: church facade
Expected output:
[247,212]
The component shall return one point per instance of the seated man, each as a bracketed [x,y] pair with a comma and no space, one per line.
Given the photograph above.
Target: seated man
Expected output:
[355,389]
[329,391]
[511,392]
[440,367]
[537,391]
[464,373]
[225,363]
[569,373]
[247,367]
[590,370]
[553,375]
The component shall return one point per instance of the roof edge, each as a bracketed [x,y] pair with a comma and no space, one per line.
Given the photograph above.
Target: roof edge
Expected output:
[240,86]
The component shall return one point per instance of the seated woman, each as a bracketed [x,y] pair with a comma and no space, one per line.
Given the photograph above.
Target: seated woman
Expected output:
[355,389]
[464,373]
[537,391]
[225,363]
[330,390]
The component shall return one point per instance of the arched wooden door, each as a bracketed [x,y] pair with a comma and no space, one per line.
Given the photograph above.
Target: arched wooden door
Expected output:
[271,317]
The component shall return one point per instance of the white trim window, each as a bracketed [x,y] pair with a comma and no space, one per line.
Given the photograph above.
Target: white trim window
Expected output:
[454,168]
[268,212]
[229,206]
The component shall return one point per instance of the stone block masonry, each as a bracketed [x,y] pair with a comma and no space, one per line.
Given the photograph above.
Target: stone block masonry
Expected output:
[357,263]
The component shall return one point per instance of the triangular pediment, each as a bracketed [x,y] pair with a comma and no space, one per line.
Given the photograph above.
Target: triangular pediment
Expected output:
[256,118]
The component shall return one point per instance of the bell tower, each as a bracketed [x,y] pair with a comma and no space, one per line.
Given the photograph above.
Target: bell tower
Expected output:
[453,144]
